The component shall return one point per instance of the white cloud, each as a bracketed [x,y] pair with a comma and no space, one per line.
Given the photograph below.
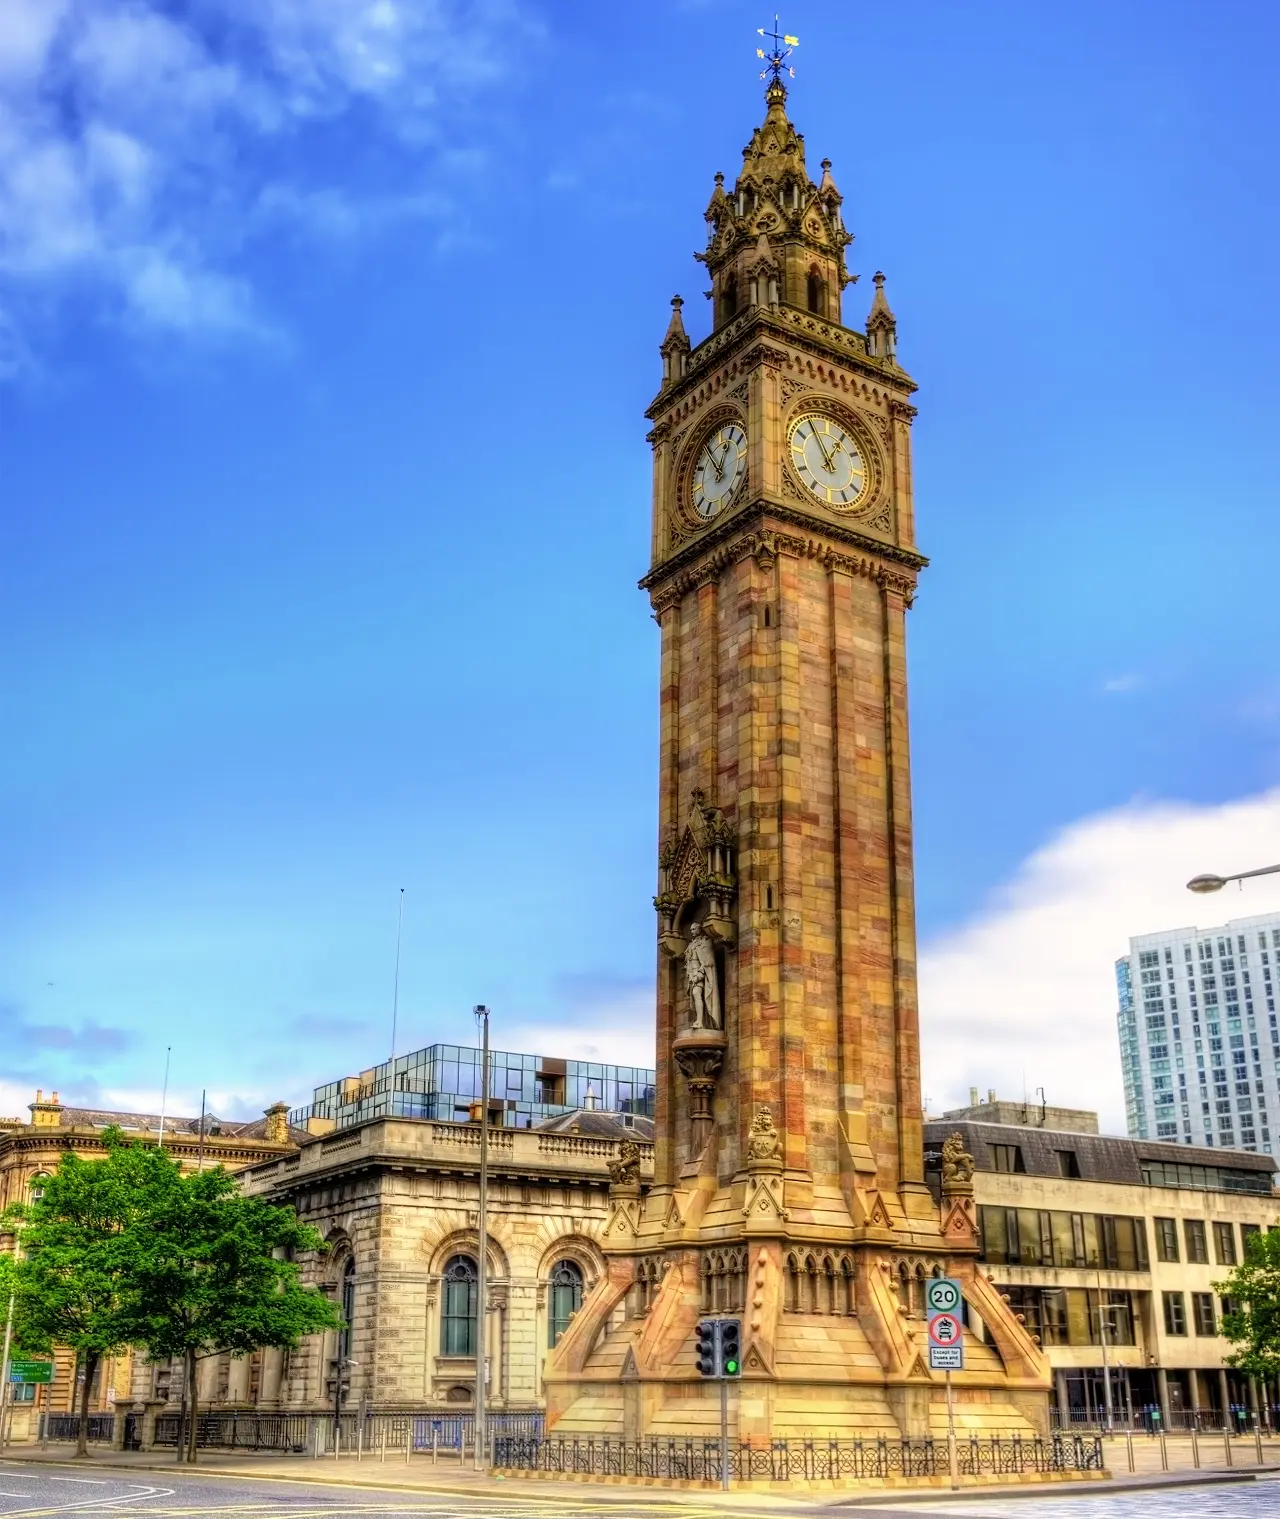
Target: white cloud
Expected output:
[139,146]
[1121,685]
[1024,993]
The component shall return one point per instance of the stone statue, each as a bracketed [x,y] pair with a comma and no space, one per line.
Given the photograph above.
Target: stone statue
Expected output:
[702,980]
[627,1166]
[764,1142]
[957,1163]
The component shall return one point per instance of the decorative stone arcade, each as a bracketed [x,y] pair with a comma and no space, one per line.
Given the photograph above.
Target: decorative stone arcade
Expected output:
[788,1179]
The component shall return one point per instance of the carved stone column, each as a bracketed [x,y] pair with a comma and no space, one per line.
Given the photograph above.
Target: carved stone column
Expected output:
[699,1055]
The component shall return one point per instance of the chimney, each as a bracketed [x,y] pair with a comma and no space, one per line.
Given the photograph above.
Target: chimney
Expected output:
[991,1094]
[973,1097]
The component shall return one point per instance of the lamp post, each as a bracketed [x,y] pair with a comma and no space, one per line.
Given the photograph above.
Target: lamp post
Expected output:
[1106,1360]
[1207,883]
[482,1265]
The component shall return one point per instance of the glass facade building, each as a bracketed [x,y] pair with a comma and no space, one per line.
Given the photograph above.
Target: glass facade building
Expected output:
[443,1082]
[1199,1041]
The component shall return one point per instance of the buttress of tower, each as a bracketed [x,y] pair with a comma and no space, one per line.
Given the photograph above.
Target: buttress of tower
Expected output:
[775,197]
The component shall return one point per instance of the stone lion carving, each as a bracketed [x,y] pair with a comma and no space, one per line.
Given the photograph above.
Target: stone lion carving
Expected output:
[627,1166]
[957,1163]
[764,1142]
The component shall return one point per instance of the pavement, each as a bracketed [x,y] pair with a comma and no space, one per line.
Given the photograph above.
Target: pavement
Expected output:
[46,1484]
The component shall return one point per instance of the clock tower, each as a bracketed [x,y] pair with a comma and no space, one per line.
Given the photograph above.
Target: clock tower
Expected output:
[789,1184]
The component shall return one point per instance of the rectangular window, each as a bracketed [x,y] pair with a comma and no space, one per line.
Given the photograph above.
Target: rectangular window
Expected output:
[1197,1245]
[1202,1309]
[1166,1239]
[995,1235]
[1068,1163]
[1248,1232]
[1007,1158]
[1175,1313]
[1224,1244]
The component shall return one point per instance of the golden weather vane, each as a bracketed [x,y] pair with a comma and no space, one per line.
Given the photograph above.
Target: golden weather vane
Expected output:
[775,61]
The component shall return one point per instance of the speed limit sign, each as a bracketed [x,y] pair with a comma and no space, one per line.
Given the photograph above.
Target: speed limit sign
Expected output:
[942,1295]
[943,1299]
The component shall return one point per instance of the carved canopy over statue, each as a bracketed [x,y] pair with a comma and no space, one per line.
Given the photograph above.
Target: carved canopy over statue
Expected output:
[696,880]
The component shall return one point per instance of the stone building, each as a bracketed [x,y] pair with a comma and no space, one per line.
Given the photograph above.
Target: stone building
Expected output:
[396,1202]
[30,1150]
[1108,1249]
[788,1175]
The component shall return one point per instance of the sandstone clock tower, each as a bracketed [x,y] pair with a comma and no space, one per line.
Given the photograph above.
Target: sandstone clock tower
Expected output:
[789,1182]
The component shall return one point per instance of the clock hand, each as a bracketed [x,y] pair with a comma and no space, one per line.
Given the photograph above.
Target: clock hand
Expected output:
[826,457]
[719,468]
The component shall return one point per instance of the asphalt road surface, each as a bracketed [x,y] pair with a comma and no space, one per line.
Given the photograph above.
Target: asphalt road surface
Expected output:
[30,1491]
[48,1492]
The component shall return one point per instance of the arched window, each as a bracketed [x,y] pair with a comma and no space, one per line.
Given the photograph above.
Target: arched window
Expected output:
[348,1308]
[36,1186]
[817,293]
[566,1298]
[458,1325]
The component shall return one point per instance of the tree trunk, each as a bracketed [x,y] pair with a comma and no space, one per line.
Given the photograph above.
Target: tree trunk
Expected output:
[191,1404]
[91,1359]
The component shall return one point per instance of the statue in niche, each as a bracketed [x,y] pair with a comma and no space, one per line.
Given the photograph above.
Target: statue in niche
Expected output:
[702,979]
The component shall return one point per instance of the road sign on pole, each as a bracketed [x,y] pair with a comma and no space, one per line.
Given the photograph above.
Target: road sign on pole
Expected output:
[30,1371]
[943,1302]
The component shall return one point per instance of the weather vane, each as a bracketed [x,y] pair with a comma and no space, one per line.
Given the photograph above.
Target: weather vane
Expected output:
[775,61]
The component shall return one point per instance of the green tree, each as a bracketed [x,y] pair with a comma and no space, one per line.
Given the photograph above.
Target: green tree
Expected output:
[78,1243]
[213,1275]
[1252,1322]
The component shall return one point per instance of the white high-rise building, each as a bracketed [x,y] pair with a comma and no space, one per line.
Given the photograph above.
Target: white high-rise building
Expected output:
[1198,1035]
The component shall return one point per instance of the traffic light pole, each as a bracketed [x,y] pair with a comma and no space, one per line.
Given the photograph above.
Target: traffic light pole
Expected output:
[724,1433]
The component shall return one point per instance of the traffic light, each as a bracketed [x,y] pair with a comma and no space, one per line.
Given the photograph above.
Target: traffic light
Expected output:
[705,1355]
[730,1347]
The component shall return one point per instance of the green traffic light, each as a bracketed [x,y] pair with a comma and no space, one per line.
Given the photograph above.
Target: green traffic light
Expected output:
[731,1368]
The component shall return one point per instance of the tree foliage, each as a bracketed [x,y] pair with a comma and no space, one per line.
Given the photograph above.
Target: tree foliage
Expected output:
[128,1251]
[79,1242]
[1252,1321]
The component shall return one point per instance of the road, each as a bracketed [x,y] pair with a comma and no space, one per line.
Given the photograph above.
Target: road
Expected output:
[47,1491]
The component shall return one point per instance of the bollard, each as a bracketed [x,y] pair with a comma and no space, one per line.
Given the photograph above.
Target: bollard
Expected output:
[435,1445]
[1195,1448]
[360,1440]
[1128,1440]
[315,1444]
[1164,1451]
[1226,1440]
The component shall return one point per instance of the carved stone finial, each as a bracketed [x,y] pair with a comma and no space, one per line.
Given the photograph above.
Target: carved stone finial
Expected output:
[625,1170]
[764,1143]
[957,1165]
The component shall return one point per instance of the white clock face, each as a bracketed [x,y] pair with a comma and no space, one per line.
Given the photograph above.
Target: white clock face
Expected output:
[719,470]
[827,459]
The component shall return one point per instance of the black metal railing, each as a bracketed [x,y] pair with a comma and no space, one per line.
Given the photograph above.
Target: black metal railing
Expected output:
[349,1432]
[794,1460]
[239,1431]
[102,1427]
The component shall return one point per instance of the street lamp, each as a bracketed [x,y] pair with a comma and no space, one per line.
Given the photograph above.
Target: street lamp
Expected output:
[482,1303]
[1205,884]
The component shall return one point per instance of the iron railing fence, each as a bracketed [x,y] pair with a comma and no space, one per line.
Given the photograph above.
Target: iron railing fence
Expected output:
[102,1427]
[794,1460]
[323,1433]
[1148,1420]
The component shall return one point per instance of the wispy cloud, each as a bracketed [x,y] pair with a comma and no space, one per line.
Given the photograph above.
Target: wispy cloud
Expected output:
[1024,993]
[141,145]
[1121,685]
[20,1038]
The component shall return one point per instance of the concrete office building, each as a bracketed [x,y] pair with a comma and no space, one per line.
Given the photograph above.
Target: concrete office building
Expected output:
[1199,1042]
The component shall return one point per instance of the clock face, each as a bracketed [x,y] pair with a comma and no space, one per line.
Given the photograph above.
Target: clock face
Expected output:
[827,460]
[719,470]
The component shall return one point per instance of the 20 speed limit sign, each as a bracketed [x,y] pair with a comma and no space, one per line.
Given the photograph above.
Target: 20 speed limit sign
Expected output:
[943,1299]
[942,1295]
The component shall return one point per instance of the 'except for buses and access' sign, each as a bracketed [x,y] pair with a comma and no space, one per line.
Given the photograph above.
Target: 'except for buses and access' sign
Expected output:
[943,1300]
[31,1371]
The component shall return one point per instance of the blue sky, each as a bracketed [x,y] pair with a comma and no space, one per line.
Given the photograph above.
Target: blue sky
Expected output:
[326,332]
